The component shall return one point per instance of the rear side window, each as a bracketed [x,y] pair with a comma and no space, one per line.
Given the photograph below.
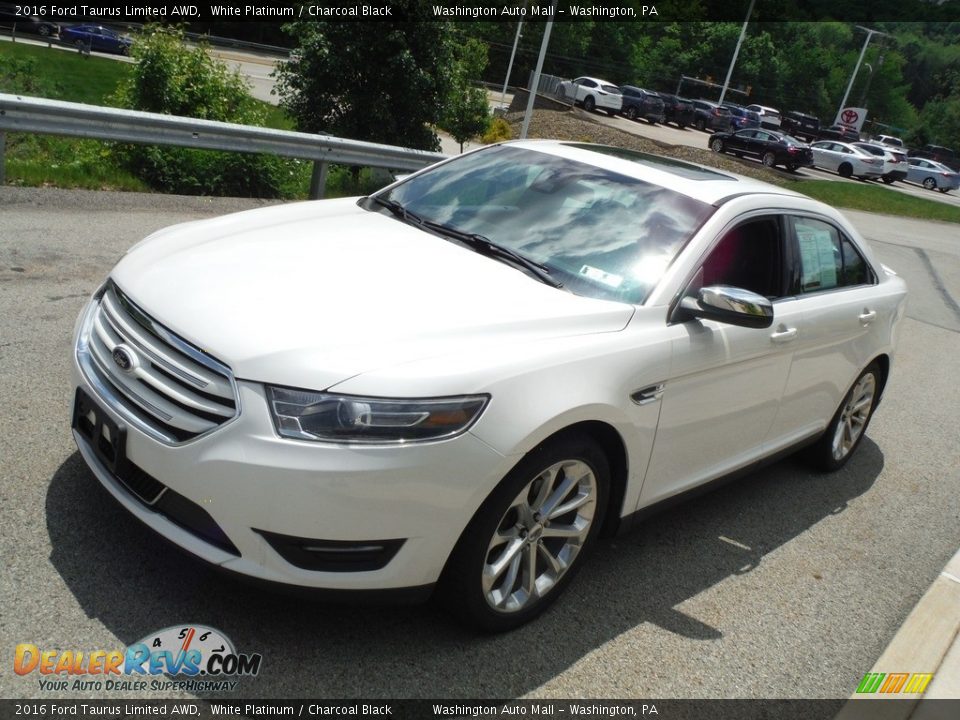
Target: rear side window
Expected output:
[825,258]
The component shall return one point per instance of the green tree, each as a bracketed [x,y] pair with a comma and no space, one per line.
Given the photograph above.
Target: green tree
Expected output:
[467,113]
[383,82]
[173,79]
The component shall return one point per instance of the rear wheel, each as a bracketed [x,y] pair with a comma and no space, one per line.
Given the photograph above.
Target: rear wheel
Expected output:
[944,190]
[44,30]
[843,435]
[929,183]
[701,125]
[888,180]
[769,159]
[716,145]
[631,113]
[527,540]
[845,170]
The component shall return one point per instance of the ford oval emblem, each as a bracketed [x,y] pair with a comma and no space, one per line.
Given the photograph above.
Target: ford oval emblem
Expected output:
[124,358]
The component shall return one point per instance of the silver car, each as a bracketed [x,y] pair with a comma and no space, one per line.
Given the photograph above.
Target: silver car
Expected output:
[846,160]
[932,175]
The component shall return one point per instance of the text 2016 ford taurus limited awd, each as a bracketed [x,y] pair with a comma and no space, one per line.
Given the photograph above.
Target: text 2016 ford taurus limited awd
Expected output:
[461,381]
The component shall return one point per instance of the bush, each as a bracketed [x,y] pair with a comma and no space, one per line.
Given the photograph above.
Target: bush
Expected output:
[498,131]
[173,79]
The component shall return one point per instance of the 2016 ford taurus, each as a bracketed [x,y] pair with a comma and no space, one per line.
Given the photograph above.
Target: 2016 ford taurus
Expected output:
[460,381]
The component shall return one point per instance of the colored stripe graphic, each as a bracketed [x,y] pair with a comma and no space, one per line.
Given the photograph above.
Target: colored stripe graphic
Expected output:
[870,682]
[918,682]
[894,682]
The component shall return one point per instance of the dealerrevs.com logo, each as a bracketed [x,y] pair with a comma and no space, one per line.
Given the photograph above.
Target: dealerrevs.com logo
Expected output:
[198,658]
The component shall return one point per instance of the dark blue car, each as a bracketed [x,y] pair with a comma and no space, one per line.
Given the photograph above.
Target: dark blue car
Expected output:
[96,37]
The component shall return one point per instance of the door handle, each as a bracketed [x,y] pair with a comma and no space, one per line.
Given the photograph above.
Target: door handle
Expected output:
[784,335]
[868,316]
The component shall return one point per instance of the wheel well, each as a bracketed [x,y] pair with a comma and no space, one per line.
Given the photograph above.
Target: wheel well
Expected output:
[883,362]
[612,445]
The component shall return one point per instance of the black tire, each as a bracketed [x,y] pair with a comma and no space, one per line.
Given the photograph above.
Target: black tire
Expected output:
[589,103]
[845,170]
[701,125]
[832,451]
[500,516]
[630,113]
[887,179]
[929,183]
[769,160]
[681,126]
[944,190]
[79,45]
[716,145]
[44,31]
[793,167]
[611,113]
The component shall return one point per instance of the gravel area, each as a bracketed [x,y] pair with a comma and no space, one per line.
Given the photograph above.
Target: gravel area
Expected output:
[581,126]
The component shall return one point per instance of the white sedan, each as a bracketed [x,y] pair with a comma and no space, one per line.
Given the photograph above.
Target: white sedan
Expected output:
[461,381]
[592,93]
[846,160]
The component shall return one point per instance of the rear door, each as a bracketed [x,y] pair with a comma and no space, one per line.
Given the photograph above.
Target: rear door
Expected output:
[837,292]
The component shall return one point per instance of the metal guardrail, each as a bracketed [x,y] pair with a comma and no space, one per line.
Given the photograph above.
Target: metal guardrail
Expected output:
[55,117]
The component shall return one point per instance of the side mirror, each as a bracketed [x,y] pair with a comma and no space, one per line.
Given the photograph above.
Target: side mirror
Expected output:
[731,305]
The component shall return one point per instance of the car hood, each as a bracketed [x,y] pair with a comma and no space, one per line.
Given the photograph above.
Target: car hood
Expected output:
[311,294]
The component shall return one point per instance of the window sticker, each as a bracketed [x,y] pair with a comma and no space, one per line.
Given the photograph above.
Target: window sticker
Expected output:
[818,257]
[601,276]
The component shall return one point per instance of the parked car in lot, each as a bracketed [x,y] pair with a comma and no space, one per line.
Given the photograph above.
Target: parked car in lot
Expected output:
[26,23]
[769,117]
[801,125]
[894,161]
[772,148]
[96,38]
[677,110]
[640,103]
[890,140]
[932,175]
[551,338]
[846,160]
[839,132]
[592,93]
[741,118]
[708,115]
[940,154]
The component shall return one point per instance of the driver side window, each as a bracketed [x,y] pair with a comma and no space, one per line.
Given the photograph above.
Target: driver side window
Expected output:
[750,256]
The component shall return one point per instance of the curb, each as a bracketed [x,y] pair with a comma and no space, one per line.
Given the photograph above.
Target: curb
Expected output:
[927,642]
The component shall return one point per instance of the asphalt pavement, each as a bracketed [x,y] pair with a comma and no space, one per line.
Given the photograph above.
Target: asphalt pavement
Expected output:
[786,583]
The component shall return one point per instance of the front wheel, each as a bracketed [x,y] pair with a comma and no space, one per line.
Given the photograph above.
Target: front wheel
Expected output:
[589,104]
[929,183]
[716,145]
[526,542]
[769,159]
[887,179]
[701,125]
[843,435]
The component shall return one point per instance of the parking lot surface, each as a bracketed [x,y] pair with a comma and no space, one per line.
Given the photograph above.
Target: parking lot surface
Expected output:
[786,583]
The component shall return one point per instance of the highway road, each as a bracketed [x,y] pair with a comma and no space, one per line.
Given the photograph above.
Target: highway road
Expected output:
[786,583]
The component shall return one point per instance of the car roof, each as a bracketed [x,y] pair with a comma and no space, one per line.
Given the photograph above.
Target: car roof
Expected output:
[596,80]
[699,182]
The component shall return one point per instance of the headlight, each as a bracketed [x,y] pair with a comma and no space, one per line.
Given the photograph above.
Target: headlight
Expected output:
[307,415]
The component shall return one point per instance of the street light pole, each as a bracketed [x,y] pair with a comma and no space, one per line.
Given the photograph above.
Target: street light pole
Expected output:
[516,41]
[743,32]
[870,34]
[535,84]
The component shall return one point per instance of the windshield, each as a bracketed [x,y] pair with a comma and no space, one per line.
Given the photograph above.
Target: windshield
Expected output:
[599,233]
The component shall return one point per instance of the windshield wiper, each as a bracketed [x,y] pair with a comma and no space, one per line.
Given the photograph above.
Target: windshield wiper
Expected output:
[398,210]
[486,246]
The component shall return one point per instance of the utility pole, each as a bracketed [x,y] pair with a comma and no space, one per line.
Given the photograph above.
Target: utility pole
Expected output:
[870,34]
[743,32]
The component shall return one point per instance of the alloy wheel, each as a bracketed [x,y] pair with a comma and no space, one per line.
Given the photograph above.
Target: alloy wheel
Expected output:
[854,416]
[539,536]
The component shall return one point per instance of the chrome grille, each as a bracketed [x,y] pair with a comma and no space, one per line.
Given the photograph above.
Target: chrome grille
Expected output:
[155,379]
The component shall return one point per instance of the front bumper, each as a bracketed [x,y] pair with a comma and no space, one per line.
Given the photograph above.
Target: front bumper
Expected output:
[255,487]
